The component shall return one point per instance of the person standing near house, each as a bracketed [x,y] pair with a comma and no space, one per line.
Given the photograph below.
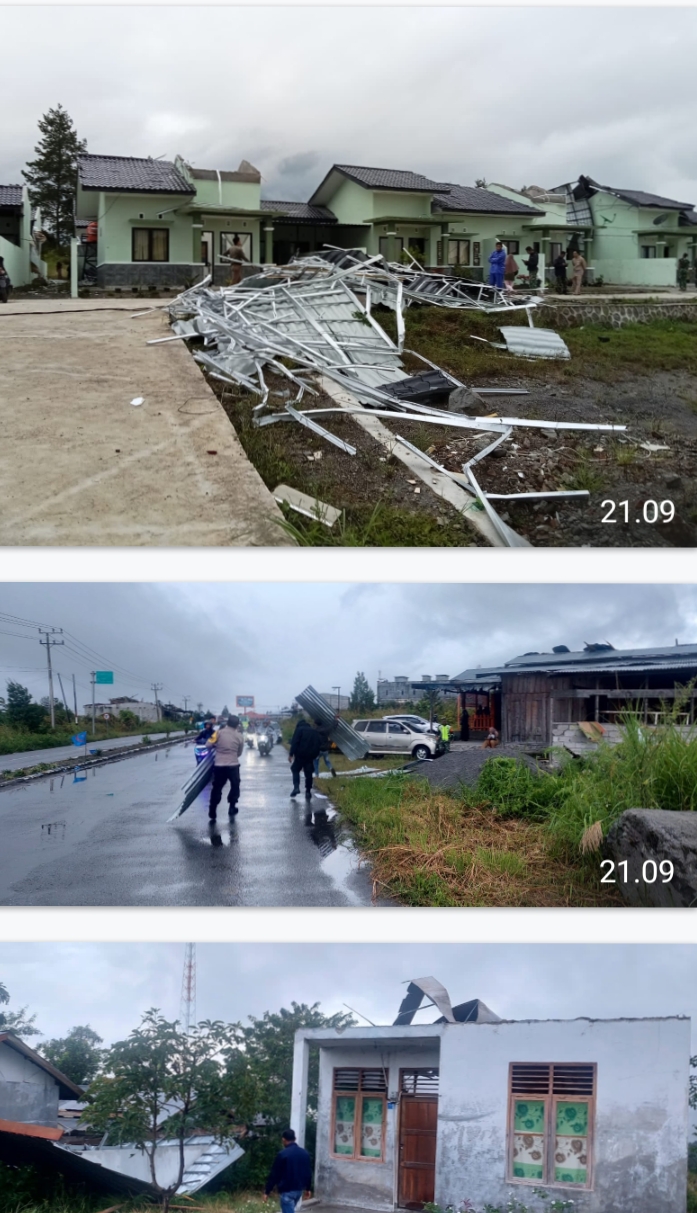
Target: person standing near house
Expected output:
[579,269]
[291,1173]
[492,739]
[683,271]
[510,271]
[497,262]
[445,736]
[5,284]
[305,746]
[560,273]
[531,265]
[227,745]
[237,255]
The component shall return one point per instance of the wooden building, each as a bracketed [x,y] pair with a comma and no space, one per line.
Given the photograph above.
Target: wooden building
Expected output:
[540,698]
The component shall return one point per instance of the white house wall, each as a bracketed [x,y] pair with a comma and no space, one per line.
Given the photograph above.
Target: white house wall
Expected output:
[27,1093]
[641,1109]
[352,1182]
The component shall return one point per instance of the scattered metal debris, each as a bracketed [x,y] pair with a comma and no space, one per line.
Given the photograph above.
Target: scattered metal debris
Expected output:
[311,507]
[529,343]
[311,323]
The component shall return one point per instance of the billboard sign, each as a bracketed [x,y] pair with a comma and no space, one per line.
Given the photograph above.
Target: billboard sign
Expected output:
[244,701]
[103,676]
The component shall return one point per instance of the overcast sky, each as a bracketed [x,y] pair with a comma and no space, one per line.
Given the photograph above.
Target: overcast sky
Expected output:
[110,985]
[516,95]
[214,641]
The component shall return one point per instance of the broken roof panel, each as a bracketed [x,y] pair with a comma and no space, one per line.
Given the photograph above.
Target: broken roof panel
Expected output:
[131,174]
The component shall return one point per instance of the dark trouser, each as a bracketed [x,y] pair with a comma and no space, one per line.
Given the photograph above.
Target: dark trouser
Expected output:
[220,778]
[306,765]
[561,284]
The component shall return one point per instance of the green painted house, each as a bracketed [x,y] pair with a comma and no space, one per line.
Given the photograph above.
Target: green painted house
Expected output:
[635,238]
[166,223]
[16,244]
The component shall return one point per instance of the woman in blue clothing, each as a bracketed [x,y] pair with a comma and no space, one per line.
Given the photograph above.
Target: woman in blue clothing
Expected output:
[497,262]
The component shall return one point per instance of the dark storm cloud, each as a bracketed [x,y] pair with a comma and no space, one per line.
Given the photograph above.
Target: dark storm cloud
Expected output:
[519,95]
[214,641]
[110,985]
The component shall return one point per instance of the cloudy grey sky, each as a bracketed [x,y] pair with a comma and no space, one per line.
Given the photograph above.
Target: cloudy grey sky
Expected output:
[110,985]
[517,95]
[213,641]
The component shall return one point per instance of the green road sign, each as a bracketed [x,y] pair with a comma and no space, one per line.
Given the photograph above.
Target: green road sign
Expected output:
[104,676]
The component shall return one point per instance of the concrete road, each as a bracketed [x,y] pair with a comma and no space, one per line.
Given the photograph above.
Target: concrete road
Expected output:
[31,758]
[101,838]
[81,465]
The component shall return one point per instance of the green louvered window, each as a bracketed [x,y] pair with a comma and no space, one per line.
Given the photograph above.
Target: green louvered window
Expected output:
[551,1110]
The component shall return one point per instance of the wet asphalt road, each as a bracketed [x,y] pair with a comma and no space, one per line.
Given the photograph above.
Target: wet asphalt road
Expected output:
[101,837]
[31,758]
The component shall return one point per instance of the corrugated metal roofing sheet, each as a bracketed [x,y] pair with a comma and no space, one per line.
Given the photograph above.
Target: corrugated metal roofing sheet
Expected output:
[534,343]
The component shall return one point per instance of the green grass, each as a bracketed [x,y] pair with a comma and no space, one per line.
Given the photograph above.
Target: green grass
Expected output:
[16,741]
[379,526]
[636,349]
[15,1198]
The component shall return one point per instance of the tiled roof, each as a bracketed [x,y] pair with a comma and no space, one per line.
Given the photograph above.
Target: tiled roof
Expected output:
[390,179]
[301,212]
[131,174]
[688,219]
[634,197]
[10,195]
[480,201]
[682,656]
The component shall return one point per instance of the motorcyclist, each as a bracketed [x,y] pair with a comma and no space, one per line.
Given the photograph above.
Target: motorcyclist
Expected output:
[206,732]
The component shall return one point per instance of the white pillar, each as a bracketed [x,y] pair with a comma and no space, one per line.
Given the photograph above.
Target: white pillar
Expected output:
[74,243]
[268,244]
[298,1099]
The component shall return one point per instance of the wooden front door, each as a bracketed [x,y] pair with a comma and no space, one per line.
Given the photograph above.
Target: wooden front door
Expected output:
[418,1121]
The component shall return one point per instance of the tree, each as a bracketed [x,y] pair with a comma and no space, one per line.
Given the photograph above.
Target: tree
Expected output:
[362,697]
[16,1021]
[260,1067]
[481,183]
[76,1055]
[20,710]
[51,177]
[161,1083]
[429,704]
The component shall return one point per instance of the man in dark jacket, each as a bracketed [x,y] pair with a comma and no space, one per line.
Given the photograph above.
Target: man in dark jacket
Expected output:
[560,274]
[305,746]
[531,265]
[291,1173]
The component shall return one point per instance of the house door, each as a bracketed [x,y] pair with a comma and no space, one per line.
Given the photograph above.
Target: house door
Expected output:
[418,1126]
[207,247]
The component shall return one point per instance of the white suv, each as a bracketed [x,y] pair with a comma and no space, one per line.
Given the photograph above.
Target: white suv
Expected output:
[395,737]
[415,722]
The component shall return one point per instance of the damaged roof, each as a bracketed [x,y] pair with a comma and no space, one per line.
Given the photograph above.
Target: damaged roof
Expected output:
[587,186]
[594,658]
[480,201]
[246,172]
[131,174]
[299,212]
[10,196]
[67,1088]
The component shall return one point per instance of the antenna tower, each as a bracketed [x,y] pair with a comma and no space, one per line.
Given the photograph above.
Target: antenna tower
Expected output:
[188,996]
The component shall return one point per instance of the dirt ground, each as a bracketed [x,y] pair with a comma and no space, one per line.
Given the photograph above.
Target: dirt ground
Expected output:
[81,465]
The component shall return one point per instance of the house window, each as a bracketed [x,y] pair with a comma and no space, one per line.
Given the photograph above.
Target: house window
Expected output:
[648,251]
[550,1119]
[150,244]
[358,1124]
[459,252]
[419,1082]
[226,242]
[513,246]
[476,252]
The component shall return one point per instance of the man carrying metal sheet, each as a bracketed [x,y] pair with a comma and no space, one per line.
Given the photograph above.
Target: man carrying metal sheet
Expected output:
[305,746]
[227,747]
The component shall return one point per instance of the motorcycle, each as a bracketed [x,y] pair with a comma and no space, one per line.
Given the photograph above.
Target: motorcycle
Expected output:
[200,752]
[264,744]
[250,740]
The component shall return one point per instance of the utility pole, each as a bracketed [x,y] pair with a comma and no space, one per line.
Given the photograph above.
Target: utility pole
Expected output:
[157,686]
[188,995]
[338,698]
[93,677]
[75,697]
[65,701]
[49,642]
[186,699]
